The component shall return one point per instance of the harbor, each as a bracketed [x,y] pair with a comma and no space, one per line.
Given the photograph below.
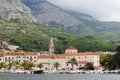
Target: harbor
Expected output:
[8,76]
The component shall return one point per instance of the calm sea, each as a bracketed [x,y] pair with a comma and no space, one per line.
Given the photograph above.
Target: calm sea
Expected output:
[6,76]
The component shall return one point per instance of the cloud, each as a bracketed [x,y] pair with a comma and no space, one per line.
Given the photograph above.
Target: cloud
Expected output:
[105,10]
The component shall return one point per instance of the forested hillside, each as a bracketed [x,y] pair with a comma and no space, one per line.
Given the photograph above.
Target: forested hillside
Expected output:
[31,36]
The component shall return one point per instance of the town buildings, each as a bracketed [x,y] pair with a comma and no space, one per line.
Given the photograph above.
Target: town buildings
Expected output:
[48,58]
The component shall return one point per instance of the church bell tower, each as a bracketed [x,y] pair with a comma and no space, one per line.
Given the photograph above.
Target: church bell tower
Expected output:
[51,46]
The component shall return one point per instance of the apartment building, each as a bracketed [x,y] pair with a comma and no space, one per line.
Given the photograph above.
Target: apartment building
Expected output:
[21,56]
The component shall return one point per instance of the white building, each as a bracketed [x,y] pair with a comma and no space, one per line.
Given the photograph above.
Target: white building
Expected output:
[48,61]
[20,56]
[12,47]
[71,49]
[64,59]
[49,58]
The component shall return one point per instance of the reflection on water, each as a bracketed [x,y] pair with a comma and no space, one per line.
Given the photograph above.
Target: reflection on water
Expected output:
[6,76]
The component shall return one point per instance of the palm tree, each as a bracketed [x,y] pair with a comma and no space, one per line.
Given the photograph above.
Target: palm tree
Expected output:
[40,65]
[27,64]
[3,65]
[73,62]
[56,65]
[89,66]
[15,63]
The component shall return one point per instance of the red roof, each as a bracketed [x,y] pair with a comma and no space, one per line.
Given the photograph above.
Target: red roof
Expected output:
[65,55]
[82,62]
[71,48]
[51,56]
[20,53]
[79,54]
[100,66]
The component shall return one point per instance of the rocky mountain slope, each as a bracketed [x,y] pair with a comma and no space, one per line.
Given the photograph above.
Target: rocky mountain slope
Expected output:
[78,23]
[14,9]
[50,14]
[47,13]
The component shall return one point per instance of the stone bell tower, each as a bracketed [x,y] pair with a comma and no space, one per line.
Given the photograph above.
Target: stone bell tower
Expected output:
[51,46]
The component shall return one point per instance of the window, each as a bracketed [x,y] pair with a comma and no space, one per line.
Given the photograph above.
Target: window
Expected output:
[79,57]
[97,61]
[5,57]
[35,57]
[23,56]
[97,56]
[67,64]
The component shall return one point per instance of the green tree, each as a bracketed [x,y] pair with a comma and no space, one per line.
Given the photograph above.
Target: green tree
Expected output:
[3,65]
[116,58]
[73,62]
[107,61]
[56,65]
[15,63]
[118,49]
[40,65]
[89,66]
[28,64]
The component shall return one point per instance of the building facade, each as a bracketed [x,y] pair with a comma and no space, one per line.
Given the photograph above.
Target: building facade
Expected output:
[20,56]
[48,58]
[82,58]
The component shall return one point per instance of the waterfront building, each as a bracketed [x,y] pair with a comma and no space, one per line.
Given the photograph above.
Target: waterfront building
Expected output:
[48,61]
[48,58]
[71,49]
[64,59]
[20,56]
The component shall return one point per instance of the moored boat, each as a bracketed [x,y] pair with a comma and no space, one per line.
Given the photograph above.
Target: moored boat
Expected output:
[38,72]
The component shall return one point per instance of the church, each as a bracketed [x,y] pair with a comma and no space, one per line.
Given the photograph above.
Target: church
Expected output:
[63,59]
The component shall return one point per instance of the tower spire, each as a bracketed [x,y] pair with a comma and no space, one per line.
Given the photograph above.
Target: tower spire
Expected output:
[51,46]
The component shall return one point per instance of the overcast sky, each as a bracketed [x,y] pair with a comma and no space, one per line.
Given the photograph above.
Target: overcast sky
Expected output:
[105,10]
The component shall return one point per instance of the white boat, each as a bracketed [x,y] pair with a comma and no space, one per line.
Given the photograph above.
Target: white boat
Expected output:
[71,71]
[19,71]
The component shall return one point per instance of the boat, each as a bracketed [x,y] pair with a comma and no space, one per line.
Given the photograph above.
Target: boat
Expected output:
[18,71]
[38,72]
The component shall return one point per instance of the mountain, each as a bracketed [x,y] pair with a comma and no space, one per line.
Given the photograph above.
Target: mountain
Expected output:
[47,13]
[14,9]
[17,27]
[50,14]
[74,22]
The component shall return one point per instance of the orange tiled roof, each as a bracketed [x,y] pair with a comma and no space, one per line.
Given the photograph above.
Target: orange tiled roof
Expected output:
[79,54]
[20,53]
[71,48]
[8,53]
[51,56]
[82,62]
[66,55]
[100,66]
